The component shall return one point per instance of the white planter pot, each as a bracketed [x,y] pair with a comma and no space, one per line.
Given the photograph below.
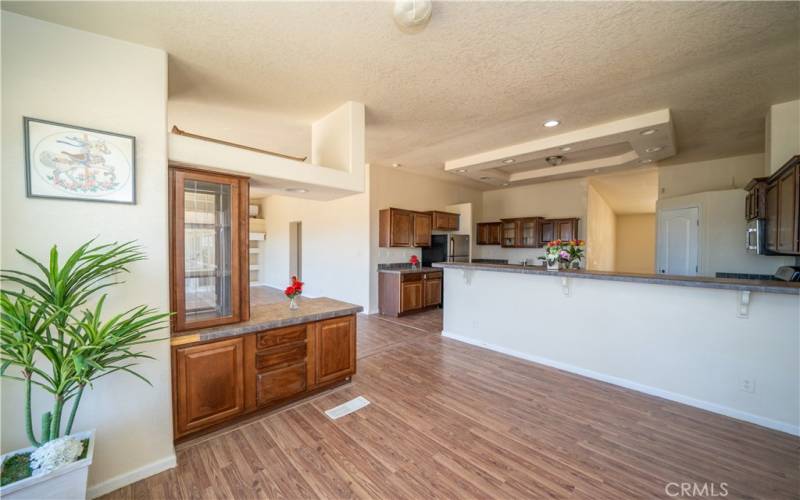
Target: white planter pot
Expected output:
[67,482]
[552,267]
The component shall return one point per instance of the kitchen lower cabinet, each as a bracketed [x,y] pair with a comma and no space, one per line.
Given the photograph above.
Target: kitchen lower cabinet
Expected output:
[209,384]
[408,292]
[217,381]
[335,346]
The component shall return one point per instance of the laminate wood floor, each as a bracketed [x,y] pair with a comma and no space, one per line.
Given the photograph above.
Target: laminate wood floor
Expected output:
[449,420]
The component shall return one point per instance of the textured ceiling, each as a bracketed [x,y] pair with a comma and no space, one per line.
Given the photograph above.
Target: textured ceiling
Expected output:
[479,77]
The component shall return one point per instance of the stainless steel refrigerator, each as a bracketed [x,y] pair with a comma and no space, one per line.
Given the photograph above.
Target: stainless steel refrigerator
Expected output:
[446,248]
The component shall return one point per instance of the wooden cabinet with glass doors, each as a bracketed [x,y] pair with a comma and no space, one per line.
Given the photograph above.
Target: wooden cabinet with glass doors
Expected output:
[208,248]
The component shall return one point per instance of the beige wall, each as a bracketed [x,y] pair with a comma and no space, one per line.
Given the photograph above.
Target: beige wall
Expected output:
[712,175]
[390,187]
[551,199]
[635,250]
[69,76]
[782,135]
[335,245]
[601,232]
[721,234]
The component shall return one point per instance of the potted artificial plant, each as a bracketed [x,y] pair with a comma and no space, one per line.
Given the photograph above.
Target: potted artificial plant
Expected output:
[49,339]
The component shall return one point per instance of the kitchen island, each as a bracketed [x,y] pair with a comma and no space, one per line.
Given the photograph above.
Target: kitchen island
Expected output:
[728,346]
[279,355]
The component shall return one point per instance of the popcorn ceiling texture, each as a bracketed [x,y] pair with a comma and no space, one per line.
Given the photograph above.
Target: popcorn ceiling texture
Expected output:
[480,76]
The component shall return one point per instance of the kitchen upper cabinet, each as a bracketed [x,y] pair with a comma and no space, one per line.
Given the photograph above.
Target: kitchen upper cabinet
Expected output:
[445,221]
[787,211]
[755,206]
[335,349]
[771,237]
[522,232]
[566,229]
[208,248]
[548,231]
[782,209]
[208,384]
[489,233]
[423,224]
[404,228]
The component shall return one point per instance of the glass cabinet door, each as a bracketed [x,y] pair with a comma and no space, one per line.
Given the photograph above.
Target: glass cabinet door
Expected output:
[529,233]
[509,234]
[207,256]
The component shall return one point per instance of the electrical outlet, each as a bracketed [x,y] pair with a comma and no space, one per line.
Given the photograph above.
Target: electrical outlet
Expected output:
[747,385]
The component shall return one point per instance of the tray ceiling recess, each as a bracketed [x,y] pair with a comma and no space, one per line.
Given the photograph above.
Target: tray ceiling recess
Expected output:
[629,143]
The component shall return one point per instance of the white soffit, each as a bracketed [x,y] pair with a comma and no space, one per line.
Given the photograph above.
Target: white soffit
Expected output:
[627,143]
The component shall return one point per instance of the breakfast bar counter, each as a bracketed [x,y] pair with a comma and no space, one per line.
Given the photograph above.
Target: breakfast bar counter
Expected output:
[725,345]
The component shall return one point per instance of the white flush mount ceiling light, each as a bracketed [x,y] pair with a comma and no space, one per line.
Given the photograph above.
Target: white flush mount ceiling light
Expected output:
[411,16]
[508,161]
[297,190]
[461,170]
[566,148]
[649,131]
[653,150]
[551,123]
[397,165]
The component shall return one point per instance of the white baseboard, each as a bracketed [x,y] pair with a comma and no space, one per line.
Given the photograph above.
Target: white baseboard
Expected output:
[127,478]
[629,384]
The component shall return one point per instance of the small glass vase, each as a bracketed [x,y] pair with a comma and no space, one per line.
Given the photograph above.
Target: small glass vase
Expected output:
[293,304]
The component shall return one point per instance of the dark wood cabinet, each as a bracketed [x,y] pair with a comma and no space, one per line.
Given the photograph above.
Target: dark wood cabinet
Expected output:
[548,231]
[787,211]
[209,255]
[755,206]
[208,384]
[521,232]
[567,229]
[445,221]
[335,347]
[403,293]
[432,291]
[489,233]
[218,381]
[423,224]
[404,228]
[781,208]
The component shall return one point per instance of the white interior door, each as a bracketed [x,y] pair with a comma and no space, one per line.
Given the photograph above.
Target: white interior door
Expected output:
[678,241]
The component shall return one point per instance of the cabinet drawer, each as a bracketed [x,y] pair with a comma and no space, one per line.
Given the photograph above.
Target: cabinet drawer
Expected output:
[281,355]
[410,277]
[281,336]
[433,275]
[281,383]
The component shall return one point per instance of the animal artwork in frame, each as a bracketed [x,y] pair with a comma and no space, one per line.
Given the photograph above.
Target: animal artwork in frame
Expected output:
[76,163]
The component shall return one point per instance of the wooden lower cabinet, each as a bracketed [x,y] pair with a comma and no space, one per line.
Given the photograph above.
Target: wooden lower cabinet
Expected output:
[404,293]
[335,346]
[217,381]
[209,383]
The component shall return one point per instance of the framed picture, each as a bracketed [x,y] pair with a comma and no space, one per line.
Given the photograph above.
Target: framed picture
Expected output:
[76,163]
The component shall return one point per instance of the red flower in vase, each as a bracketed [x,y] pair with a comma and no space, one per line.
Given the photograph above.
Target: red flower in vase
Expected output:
[295,289]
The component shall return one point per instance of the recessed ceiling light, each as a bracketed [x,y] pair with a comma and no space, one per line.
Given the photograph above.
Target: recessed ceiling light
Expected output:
[566,148]
[396,165]
[297,190]
[461,170]
[653,150]
[509,160]
[649,131]
[646,160]
[505,184]
[551,123]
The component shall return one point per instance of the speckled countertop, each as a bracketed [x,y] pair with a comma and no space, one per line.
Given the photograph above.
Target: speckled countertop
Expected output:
[270,309]
[767,286]
[408,270]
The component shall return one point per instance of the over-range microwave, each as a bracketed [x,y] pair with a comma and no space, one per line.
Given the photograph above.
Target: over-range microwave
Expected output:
[755,237]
